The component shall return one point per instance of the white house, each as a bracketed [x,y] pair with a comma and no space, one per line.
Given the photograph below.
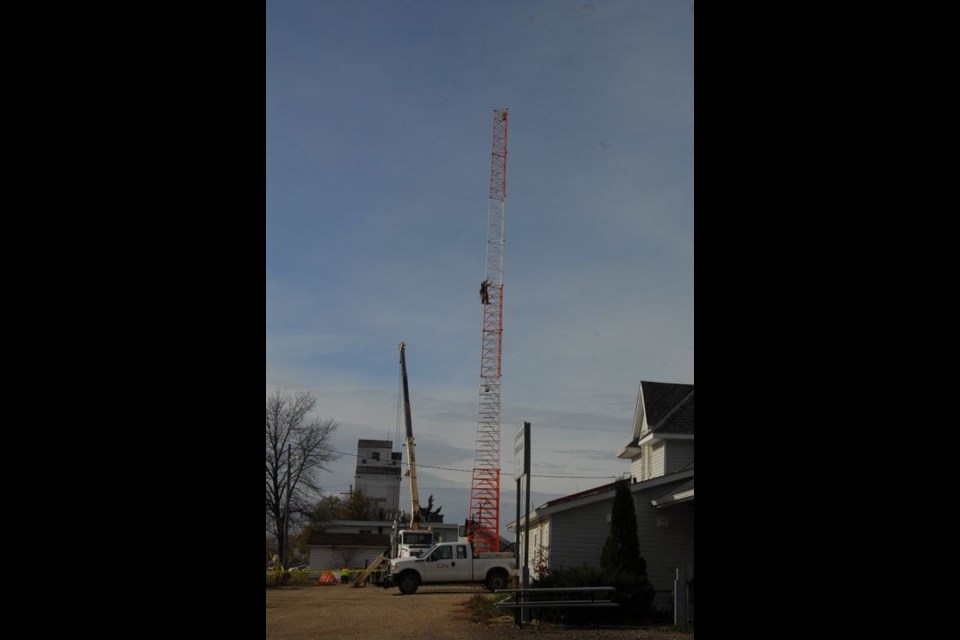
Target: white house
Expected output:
[571,531]
[333,551]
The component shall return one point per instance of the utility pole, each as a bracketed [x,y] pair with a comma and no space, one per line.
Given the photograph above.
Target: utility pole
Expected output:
[286,513]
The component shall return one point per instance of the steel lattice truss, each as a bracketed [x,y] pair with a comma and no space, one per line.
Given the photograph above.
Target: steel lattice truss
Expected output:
[485,490]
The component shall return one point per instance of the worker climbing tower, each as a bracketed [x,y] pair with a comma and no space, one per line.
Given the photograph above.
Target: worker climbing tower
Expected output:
[484,515]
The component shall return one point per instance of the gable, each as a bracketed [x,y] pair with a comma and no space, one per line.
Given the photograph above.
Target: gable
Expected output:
[659,398]
[639,416]
[663,407]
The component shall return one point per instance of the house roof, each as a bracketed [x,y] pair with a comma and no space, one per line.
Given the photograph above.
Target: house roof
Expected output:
[577,496]
[667,409]
[668,406]
[682,493]
[604,492]
[349,540]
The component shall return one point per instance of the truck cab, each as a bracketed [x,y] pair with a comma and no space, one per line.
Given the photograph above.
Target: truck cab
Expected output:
[411,544]
[447,563]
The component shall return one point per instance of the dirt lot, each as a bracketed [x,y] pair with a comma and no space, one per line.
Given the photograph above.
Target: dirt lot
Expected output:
[434,612]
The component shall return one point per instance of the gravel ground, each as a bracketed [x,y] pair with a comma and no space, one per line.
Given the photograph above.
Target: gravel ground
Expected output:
[434,613]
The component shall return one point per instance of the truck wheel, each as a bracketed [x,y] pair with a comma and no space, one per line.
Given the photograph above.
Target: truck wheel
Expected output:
[496,580]
[408,582]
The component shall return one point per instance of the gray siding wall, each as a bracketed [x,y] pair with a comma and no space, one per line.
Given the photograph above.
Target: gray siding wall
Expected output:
[328,558]
[666,536]
[666,539]
[656,460]
[322,558]
[577,536]
[678,453]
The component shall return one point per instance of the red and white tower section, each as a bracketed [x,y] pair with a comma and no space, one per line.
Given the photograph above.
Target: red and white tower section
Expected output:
[484,514]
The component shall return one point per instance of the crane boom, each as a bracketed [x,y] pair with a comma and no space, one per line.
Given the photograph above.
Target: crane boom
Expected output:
[411,458]
[483,519]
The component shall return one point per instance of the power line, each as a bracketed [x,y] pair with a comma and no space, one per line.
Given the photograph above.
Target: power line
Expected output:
[535,475]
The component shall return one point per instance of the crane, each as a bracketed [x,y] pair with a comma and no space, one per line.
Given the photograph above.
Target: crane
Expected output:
[483,519]
[411,458]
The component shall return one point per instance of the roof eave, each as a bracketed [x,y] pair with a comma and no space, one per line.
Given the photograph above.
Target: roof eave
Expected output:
[629,452]
[685,496]
[653,437]
[542,512]
[534,519]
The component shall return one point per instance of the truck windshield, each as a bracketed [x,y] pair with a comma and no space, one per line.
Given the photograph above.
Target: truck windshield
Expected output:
[422,538]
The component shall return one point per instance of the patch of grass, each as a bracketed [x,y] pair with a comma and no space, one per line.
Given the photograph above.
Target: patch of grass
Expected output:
[482,609]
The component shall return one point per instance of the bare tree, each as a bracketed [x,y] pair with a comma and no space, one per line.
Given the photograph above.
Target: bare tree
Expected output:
[345,554]
[298,448]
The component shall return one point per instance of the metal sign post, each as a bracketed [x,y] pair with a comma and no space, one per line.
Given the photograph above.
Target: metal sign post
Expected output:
[521,465]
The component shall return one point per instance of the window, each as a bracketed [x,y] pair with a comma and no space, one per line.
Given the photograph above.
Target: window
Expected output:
[461,552]
[363,461]
[442,553]
[425,538]
[376,456]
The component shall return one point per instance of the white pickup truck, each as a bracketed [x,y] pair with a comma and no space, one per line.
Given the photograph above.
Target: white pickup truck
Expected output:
[450,562]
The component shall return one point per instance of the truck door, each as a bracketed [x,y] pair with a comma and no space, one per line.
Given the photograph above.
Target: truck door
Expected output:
[441,566]
[463,563]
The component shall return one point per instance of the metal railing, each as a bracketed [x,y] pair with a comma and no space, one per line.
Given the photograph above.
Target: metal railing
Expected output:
[556,598]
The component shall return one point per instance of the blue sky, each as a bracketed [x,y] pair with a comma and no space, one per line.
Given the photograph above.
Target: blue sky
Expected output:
[379,121]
